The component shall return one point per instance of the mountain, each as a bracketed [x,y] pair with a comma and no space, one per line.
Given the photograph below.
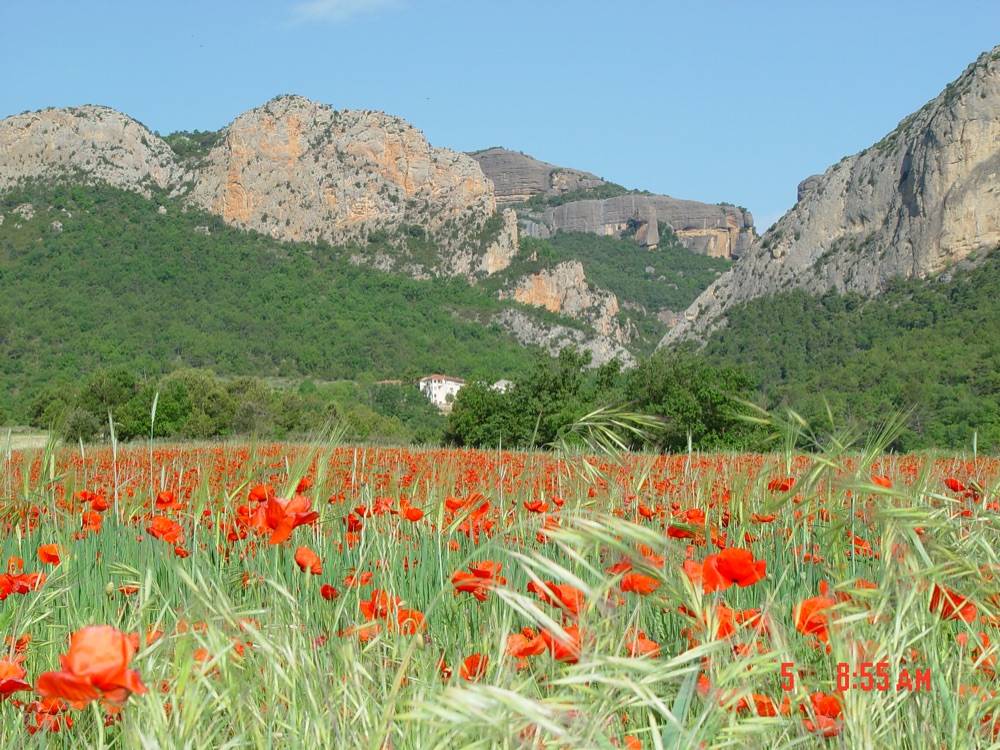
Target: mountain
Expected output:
[293,169]
[94,277]
[924,199]
[551,199]
[298,171]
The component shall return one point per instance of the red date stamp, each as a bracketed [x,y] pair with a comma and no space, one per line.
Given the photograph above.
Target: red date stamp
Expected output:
[868,676]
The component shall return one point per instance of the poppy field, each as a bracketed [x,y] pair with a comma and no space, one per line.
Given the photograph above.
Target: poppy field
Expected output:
[323,595]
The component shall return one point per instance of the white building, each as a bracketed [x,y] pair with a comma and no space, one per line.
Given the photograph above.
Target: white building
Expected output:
[441,389]
[502,386]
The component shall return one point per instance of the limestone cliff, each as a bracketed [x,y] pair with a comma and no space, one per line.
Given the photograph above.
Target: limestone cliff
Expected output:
[564,289]
[299,170]
[553,338]
[517,177]
[718,231]
[721,231]
[90,143]
[923,198]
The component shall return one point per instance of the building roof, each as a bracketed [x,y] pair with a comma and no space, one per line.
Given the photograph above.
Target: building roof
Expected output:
[447,378]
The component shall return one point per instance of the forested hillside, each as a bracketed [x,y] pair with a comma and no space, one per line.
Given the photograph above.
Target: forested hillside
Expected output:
[95,277]
[933,346]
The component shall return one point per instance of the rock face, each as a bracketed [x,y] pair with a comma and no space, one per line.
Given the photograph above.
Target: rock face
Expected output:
[553,338]
[95,144]
[717,231]
[502,250]
[298,170]
[517,177]
[564,289]
[923,198]
[293,169]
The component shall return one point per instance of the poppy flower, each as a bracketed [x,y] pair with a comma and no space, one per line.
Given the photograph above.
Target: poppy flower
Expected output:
[166,499]
[96,666]
[524,644]
[564,649]
[561,595]
[165,529]
[261,493]
[49,554]
[951,606]
[823,714]
[474,667]
[282,517]
[781,484]
[328,592]
[307,560]
[11,677]
[811,615]
[48,714]
[719,572]
[954,485]
[480,578]
[639,645]
[412,513]
[379,605]
[639,583]
[409,621]
[738,565]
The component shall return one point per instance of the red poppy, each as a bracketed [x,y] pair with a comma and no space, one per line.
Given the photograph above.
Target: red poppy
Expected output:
[811,615]
[96,666]
[481,577]
[282,517]
[307,560]
[165,529]
[49,554]
[951,606]
[639,583]
[564,649]
[474,667]
[328,592]
[11,677]
[561,595]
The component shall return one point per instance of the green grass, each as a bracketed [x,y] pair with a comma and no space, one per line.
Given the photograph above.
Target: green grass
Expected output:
[290,690]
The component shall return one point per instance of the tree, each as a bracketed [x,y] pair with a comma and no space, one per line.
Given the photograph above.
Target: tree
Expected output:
[693,397]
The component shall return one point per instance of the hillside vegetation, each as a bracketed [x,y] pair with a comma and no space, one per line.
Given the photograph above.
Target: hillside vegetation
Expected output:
[99,278]
[930,346]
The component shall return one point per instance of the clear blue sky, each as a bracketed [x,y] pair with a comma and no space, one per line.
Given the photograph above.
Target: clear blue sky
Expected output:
[714,100]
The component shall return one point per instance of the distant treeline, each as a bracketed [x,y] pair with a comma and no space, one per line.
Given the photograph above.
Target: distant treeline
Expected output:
[197,404]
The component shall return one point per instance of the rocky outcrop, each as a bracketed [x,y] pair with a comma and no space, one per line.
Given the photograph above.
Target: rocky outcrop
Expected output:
[299,170]
[91,143]
[719,231]
[502,250]
[554,337]
[293,169]
[923,198]
[563,289]
[517,177]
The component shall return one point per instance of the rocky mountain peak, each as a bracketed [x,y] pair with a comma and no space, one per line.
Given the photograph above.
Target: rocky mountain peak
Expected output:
[92,143]
[517,176]
[300,170]
[923,198]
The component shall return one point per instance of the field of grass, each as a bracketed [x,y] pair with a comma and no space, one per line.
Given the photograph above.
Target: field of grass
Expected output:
[323,595]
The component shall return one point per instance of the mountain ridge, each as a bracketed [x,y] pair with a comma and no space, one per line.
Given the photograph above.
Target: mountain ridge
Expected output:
[922,199]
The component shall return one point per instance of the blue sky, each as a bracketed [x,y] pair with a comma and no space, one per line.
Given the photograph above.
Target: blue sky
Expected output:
[715,100]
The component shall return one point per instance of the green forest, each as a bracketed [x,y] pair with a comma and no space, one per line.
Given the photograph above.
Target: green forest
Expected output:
[930,348]
[98,279]
[111,302]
